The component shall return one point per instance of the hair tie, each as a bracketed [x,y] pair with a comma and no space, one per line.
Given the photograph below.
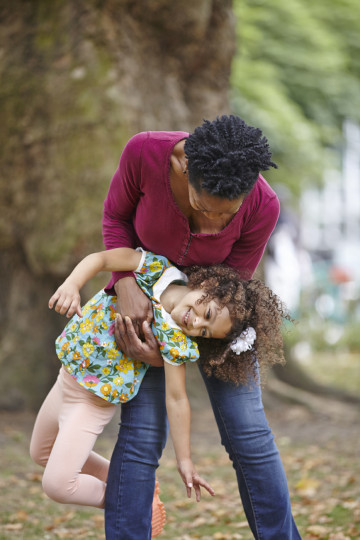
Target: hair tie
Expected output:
[244,342]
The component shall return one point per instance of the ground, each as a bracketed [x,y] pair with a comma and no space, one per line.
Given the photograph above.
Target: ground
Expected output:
[319,445]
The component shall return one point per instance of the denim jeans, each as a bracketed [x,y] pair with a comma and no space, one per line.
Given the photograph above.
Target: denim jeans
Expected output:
[244,433]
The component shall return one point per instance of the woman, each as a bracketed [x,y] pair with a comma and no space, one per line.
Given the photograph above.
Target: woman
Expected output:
[196,199]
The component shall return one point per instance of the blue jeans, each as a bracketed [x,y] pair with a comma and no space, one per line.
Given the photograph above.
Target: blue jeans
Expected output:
[244,433]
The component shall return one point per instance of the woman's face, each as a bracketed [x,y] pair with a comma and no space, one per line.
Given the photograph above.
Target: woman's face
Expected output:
[211,206]
[201,320]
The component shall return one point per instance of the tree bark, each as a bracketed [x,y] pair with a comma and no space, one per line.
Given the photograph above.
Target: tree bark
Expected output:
[78,79]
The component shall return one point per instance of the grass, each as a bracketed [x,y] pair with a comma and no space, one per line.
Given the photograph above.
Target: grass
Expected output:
[319,452]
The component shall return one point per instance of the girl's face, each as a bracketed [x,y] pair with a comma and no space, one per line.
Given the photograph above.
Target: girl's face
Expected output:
[207,320]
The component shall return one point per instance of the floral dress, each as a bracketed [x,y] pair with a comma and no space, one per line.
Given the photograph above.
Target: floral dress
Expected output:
[87,347]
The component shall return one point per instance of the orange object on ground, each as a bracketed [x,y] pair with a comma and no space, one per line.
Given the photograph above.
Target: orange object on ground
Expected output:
[158,513]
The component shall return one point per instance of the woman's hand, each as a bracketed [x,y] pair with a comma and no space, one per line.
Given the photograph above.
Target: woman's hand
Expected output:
[192,479]
[131,345]
[132,302]
[67,300]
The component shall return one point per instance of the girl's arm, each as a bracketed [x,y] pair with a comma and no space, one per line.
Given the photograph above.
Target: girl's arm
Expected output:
[67,297]
[178,410]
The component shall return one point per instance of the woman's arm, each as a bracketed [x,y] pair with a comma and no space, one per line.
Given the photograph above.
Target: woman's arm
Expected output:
[119,208]
[178,410]
[122,200]
[67,297]
[246,253]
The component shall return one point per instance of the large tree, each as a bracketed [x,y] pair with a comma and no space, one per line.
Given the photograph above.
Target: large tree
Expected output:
[77,80]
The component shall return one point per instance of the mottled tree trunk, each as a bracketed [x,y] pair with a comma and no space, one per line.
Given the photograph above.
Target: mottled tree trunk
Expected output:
[78,78]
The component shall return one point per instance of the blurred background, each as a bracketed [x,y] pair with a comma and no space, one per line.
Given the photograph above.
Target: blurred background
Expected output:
[78,78]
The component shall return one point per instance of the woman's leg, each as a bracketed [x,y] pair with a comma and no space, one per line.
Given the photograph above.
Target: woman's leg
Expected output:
[249,442]
[131,480]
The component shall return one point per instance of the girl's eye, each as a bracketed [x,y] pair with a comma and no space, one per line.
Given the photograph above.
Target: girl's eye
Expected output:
[208,314]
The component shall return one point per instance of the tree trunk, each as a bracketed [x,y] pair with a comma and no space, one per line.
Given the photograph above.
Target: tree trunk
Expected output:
[293,375]
[78,79]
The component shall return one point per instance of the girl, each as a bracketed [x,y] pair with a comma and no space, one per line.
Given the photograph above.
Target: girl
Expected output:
[211,304]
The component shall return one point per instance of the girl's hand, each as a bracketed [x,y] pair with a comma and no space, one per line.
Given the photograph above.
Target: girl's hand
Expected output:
[67,300]
[192,479]
[128,342]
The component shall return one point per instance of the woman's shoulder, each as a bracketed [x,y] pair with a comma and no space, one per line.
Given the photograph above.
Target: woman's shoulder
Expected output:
[151,140]
[263,196]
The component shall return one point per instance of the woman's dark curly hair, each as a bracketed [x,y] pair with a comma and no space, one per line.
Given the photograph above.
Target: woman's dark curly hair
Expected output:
[250,303]
[225,157]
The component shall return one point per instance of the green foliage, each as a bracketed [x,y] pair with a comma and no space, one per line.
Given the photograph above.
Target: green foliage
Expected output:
[296,75]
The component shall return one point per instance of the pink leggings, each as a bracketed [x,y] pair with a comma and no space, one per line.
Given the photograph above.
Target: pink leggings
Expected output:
[66,428]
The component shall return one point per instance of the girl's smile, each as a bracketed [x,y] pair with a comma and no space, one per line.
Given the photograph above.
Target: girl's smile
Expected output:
[196,319]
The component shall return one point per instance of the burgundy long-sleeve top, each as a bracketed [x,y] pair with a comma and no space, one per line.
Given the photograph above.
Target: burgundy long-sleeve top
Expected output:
[140,210]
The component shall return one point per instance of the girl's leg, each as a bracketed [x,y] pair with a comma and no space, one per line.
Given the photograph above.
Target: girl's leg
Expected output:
[65,479]
[250,444]
[73,474]
[46,426]
[142,437]
[46,429]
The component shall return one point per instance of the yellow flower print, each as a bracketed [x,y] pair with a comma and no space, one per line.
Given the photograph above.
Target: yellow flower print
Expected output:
[178,336]
[60,355]
[88,348]
[124,365]
[104,325]
[118,380]
[164,326]
[123,397]
[76,355]
[105,389]
[112,353]
[76,339]
[137,364]
[154,266]
[86,309]
[114,394]
[105,371]
[69,369]
[95,329]
[86,326]
[65,346]
[183,346]
[73,327]
[85,363]
[174,353]
[99,316]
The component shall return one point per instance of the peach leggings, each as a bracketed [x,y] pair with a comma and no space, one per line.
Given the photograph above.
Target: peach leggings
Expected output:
[66,428]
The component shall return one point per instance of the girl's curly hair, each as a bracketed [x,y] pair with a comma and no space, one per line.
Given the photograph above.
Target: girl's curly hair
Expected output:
[250,303]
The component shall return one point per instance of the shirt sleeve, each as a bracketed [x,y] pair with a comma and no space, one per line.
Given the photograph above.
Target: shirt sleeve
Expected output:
[248,250]
[175,347]
[150,271]
[121,202]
